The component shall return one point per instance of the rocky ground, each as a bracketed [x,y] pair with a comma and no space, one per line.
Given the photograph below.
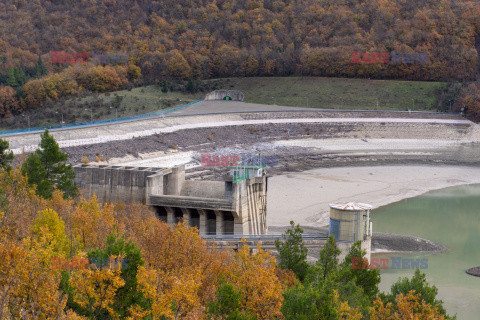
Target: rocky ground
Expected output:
[255,139]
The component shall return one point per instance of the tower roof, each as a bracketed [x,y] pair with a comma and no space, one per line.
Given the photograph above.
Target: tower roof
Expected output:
[350,206]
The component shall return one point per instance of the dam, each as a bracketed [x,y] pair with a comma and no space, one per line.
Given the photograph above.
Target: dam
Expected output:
[235,206]
[223,211]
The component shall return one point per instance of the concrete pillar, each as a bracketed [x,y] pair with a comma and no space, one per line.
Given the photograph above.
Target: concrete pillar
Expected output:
[186,216]
[170,216]
[203,222]
[175,180]
[220,228]
[240,227]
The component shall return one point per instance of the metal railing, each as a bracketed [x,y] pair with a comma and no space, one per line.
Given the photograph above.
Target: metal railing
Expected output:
[97,122]
[263,237]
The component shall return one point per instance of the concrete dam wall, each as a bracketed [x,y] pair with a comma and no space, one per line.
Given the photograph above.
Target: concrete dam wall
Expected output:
[214,207]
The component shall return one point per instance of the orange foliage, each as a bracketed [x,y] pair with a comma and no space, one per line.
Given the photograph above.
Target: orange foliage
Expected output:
[406,306]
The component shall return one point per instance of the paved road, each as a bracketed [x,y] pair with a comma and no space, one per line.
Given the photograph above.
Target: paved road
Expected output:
[206,107]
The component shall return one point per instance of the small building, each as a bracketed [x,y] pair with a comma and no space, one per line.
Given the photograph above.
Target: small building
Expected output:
[350,222]
[229,95]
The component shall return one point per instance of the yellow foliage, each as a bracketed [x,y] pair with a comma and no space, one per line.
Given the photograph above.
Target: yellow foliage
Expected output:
[344,310]
[91,223]
[21,205]
[254,275]
[48,238]
[183,271]
[27,286]
[96,288]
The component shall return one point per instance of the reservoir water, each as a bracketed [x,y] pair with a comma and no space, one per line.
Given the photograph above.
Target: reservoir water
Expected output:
[450,217]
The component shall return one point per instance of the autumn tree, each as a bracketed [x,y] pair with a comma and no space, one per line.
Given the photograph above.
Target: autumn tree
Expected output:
[178,67]
[48,236]
[183,270]
[47,169]
[19,205]
[406,306]
[421,288]
[254,275]
[28,287]
[9,103]
[94,290]
[127,297]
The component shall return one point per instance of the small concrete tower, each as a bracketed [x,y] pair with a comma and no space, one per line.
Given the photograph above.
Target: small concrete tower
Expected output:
[350,222]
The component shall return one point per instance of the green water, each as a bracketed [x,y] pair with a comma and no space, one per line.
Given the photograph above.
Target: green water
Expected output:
[450,217]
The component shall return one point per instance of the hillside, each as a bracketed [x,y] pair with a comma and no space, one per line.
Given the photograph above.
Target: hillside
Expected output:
[193,39]
[204,39]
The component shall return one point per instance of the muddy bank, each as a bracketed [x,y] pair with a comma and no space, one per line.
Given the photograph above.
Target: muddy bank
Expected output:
[292,158]
[389,242]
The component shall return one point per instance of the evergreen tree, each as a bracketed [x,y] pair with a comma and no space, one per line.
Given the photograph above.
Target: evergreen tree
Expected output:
[190,86]
[3,78]
[227,304]
[41,68]
[164,87]
[11,77]
[367,279]
[6,158]
[328,262]
[292,251]
[20,74]
[47,169]
[420,285]
[128,295]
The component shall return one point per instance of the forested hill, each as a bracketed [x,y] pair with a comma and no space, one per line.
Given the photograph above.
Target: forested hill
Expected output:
[208,38]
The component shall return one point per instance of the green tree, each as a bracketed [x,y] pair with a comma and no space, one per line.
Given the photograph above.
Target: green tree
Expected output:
[41,68]
[47,169]
[227,304]
[328,262]
[292,251]
[6,157]
[164,86]
[420,285]
[11,78]
[128,295]
[367,279]
[190,87]
[20,74]
[305,302]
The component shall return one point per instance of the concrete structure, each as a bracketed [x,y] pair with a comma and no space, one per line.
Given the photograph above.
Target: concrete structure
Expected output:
[214,207]
[225,95]
[350,222]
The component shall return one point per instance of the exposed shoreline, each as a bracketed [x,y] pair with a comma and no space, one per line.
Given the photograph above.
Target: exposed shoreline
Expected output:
[377,161]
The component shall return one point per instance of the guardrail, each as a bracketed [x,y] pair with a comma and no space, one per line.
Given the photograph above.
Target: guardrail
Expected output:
[252,237]
[98,122]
